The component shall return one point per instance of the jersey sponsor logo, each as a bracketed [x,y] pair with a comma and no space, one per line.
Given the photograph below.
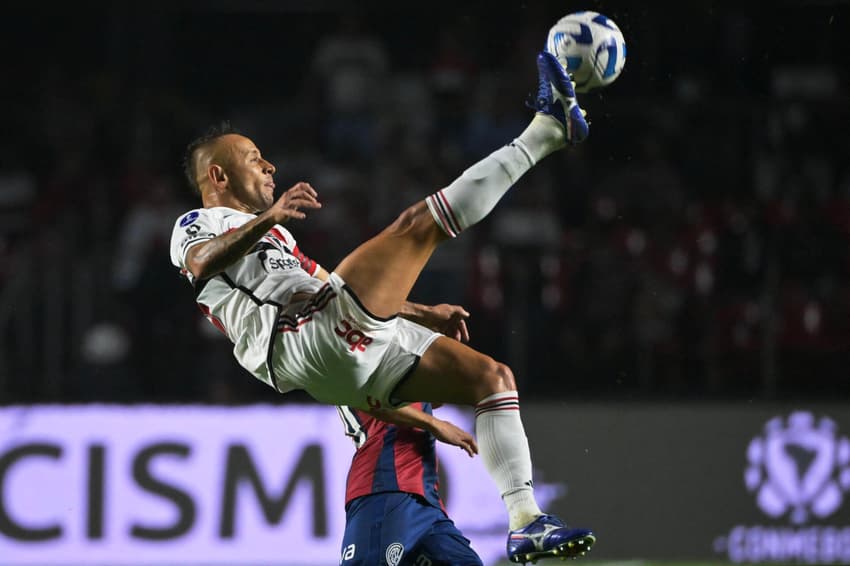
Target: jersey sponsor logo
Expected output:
[353,337]
[283,263]
[189,218]
[394,553]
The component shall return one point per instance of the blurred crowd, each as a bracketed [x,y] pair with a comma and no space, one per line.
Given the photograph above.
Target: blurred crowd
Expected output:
[694,247]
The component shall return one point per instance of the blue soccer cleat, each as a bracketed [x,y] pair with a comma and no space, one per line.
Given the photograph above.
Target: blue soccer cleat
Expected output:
[556,97]
[548,537]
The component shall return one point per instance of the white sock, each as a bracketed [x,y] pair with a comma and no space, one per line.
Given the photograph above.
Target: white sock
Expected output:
[473,195]
[542,136]
[504,450]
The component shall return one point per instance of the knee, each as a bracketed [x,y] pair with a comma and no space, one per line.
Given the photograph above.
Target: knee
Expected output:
[498,378]
[415,221]
[406,221]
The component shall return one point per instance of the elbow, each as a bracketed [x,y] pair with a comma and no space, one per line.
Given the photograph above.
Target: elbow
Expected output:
[199,269]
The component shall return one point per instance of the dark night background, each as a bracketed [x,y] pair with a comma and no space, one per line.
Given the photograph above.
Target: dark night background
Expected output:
[695,247]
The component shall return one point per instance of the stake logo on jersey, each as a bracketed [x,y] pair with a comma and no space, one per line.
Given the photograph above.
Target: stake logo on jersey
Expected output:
[273,254]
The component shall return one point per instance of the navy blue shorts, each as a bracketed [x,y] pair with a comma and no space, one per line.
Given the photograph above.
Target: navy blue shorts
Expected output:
[400,529]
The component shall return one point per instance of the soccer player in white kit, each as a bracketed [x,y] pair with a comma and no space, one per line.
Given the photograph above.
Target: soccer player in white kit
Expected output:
[350,337]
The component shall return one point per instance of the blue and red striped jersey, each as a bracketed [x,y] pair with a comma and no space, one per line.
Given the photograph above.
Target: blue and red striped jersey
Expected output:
[390,457]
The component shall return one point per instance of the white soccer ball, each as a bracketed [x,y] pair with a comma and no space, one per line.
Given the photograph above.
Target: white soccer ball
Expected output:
[590,46]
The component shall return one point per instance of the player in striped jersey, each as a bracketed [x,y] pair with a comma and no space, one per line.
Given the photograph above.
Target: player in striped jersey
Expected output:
[394,513]
[351,337]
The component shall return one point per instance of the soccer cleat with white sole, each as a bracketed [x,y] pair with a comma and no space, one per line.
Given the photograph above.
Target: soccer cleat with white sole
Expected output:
[556,97]
[548,537]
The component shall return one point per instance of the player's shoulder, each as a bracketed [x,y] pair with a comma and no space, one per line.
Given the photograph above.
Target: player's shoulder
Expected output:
[212,214]
[196,214]
[188,218]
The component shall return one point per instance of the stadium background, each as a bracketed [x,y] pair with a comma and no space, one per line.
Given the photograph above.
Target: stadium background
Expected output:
[692,254]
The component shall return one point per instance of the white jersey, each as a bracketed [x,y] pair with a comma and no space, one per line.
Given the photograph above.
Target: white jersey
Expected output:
[244,301]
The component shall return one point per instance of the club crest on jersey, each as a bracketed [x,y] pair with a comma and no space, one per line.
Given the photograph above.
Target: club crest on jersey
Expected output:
[353,337]
[189,218]
[394,553]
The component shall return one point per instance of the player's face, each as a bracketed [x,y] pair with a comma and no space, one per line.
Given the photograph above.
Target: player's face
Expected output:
[249,175]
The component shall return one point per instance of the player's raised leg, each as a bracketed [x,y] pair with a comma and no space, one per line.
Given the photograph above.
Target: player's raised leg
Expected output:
[451,372]
[383,270]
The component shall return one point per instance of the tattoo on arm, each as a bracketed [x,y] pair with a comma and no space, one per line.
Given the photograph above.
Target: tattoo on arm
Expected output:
[216,255]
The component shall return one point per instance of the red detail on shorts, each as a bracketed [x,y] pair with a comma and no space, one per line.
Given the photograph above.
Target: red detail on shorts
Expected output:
[352,336]
[294,328]
[287,323]
[212,318]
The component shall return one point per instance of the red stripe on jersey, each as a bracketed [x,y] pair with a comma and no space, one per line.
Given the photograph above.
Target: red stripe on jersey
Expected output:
[361,474]
[408,461]
[307,264]
[393,458]
[277,234]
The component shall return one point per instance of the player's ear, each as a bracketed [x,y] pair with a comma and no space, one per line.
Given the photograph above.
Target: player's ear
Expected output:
[216,174]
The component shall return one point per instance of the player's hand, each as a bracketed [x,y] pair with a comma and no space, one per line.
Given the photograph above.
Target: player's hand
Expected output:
[448,433]
[449,320]
[289,205]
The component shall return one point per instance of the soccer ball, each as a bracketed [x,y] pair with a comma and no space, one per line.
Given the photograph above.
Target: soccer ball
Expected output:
[590,46]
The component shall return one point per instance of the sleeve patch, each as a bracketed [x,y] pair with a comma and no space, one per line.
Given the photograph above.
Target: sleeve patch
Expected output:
[189,218]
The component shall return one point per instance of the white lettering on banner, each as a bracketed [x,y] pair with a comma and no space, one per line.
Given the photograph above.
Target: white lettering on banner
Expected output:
[214,485]
[809,545]
[799,470]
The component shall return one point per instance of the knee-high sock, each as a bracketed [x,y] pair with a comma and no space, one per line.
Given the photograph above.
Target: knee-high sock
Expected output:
[504,450]
[474,194]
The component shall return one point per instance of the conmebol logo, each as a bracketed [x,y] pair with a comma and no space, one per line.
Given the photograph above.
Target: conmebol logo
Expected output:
[799,468]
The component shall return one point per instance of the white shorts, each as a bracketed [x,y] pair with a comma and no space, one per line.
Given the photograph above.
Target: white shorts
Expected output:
[334,349]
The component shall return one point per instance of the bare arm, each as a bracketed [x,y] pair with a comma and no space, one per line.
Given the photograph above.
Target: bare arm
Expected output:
[446,319]
[444,431]
[214,256]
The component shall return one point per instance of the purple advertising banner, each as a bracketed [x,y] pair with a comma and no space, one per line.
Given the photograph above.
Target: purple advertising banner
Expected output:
[731,482]
[199,485]
[157,485]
